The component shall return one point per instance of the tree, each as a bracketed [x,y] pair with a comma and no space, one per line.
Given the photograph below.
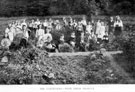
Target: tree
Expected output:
[65,7]
[124,7]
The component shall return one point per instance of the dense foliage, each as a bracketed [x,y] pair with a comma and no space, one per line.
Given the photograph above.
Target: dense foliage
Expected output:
[33,66]
[55,7]
[129,45]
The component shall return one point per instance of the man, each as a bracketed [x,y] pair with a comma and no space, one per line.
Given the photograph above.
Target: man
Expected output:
[111,25]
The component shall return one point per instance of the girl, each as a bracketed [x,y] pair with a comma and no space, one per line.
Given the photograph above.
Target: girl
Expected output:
[9,32]
[40,32]
[102,29]
[25,32]
[98,26]
[105,37]
[72,39]
[101,32]
[24,39]
[89,28]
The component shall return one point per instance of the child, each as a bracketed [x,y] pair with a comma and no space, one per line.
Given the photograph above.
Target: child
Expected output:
[62,39]
[72,39]
[105,37]
[89,28]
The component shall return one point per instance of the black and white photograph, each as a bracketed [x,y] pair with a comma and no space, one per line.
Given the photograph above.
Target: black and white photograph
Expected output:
[67,42]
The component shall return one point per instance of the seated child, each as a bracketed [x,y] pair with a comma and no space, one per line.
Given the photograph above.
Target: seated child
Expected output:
[72,39]
[105,37]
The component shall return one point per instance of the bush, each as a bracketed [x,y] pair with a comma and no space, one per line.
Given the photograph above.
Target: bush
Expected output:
[33,66]
[65,48]
[129,47]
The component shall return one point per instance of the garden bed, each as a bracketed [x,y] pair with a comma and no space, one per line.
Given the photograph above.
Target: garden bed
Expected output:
[36,67]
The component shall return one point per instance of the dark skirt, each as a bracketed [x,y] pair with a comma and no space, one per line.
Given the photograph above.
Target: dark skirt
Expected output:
[111,29]
[117,31]
[78,38]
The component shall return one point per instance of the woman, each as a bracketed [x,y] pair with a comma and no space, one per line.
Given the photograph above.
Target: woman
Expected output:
[21,39]
[118,26]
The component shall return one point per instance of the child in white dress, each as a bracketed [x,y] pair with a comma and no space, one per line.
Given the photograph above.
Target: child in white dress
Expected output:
[39,32]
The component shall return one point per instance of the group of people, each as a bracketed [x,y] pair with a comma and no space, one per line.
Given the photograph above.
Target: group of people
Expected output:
[82,35]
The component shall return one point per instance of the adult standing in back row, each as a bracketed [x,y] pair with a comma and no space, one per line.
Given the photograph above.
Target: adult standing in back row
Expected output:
[118,26]
[111,26]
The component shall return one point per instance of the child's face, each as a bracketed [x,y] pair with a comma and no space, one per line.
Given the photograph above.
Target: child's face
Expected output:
[62,37]
[102,23]
[48,30]
[24,27]
[40,26]
[73,34]
[9,25]
[106,33]
[111,18]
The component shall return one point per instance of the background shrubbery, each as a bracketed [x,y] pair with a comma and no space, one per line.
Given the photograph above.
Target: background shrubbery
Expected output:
[55,7]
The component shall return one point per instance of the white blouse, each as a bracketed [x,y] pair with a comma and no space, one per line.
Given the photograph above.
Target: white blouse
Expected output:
[118,23]
[89,28]
[40,32]
[10,33]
